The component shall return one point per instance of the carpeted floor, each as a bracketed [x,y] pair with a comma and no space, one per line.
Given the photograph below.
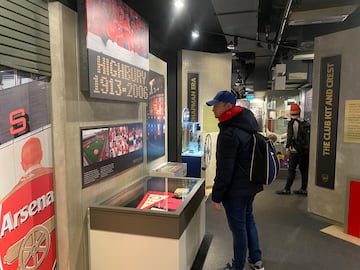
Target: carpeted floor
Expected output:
[290,237]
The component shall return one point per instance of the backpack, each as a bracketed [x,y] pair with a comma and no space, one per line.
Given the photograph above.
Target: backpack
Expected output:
[303,137]
[264,166]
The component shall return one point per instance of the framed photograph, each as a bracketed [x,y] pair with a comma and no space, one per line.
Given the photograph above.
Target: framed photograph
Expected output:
[107,151]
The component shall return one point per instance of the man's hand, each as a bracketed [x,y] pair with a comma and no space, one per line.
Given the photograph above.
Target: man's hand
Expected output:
[217,206]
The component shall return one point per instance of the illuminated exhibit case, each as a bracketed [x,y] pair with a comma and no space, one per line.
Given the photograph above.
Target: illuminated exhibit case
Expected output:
[165,217]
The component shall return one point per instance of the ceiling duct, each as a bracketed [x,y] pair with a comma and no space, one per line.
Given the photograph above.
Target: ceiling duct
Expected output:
[281,31]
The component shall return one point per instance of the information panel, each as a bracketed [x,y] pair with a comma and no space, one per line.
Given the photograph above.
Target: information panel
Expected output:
[352,121]
[110,150]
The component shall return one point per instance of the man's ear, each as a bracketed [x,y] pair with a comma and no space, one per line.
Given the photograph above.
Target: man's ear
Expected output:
[229,106]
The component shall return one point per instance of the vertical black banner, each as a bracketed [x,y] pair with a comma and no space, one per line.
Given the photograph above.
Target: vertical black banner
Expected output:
[328,121]
[193,95]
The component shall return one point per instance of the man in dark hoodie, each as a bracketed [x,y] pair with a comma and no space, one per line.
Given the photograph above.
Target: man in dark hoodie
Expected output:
[232,185]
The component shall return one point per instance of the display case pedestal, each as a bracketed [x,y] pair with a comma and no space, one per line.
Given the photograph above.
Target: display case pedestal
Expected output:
[193,162]
[125,237]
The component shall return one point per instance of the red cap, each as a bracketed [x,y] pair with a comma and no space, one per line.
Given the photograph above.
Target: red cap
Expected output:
[295,108]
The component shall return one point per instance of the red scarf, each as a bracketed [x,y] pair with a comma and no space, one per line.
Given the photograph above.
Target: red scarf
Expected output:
[230,113]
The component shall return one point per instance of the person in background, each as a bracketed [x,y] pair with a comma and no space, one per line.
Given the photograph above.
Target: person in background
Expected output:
[232,185]
[298,153]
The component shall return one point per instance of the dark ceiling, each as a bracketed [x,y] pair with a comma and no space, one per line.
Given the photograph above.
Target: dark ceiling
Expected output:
[173,28]
[260,28]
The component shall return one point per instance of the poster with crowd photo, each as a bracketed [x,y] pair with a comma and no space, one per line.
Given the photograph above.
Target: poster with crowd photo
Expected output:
[107,151]
[117,41]
[155,122]
[27,216]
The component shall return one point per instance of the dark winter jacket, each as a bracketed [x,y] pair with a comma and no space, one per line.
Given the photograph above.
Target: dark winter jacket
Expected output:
[233,155]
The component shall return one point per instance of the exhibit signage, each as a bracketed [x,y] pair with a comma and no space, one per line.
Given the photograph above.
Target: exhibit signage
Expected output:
[328,121]
[117,43]
[110,150]
[111,78]
[193,95]
[352,121]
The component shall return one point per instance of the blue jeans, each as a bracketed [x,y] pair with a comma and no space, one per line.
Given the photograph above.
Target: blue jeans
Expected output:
[241,222]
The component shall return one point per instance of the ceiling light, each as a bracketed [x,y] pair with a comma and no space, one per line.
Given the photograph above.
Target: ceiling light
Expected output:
[303,56]
[179,4]
[195,34]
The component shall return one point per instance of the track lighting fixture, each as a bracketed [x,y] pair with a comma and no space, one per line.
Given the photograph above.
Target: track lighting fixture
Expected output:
[232,44]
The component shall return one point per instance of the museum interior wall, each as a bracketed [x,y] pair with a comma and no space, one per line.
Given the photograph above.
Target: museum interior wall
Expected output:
[325,202]
[72,110]
[214,74]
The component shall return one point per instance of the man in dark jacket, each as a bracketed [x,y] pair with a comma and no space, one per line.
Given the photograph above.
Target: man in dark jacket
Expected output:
[298,152]
[232,185]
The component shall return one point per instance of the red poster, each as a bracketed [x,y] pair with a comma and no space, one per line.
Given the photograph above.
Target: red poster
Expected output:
[27,237]
[27,221]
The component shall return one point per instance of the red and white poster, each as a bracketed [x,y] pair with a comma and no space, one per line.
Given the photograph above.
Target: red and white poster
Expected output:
[27,232]
[117,42]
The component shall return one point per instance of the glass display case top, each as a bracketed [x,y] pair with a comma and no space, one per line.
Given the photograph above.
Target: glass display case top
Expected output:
[157,194]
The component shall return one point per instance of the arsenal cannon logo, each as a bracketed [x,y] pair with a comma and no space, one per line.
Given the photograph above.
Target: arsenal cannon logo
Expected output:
[27,236]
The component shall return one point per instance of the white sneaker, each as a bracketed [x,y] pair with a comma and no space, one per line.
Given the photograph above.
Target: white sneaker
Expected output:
[259,265]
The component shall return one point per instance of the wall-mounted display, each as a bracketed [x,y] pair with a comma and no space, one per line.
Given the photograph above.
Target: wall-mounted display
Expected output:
[155,117]
[352,121]
[330,70]
[110,150]
[117,43]
[193,95]
[27,216]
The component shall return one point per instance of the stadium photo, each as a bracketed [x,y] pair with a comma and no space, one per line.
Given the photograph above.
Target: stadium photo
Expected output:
[94,145]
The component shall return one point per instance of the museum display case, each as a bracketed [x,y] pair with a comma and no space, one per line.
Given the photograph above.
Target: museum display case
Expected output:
[160,219]
[277,117]
[192,145]
[191,138]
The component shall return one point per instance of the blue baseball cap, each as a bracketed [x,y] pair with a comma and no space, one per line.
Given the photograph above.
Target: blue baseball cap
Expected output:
[222,96]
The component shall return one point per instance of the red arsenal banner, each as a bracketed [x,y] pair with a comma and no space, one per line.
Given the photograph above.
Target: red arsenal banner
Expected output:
[27,236]
[27,221]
